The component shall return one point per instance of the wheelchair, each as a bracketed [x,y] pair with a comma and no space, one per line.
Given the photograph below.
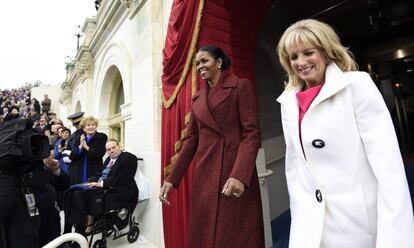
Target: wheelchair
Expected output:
[113,221]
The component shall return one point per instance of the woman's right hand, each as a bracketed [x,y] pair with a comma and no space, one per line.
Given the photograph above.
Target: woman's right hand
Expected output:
[82,138]
[164,191]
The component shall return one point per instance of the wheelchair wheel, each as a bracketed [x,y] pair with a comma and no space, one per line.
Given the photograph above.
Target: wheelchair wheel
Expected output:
[99,244]
[133,234]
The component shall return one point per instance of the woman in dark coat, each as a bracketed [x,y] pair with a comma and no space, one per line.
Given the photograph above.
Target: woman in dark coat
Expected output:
[87,153]
[224,137]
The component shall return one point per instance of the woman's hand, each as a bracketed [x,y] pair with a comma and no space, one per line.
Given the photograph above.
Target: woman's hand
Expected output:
[164,191]
[233,188]
[83,143]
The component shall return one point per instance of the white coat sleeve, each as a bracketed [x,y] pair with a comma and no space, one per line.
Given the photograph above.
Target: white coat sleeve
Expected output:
[395,224]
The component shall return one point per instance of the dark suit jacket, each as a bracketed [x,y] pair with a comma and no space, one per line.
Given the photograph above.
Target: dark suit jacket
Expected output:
[121,178]
[123,191]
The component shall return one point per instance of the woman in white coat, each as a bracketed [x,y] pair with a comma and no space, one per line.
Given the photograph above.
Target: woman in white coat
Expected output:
[344,170]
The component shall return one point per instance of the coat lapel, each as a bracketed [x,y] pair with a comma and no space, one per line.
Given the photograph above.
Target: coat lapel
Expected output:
[115,165]
[226,82]
[200,109]
[334,82]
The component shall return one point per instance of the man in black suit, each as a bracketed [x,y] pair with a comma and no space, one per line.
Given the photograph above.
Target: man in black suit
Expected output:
[117,174]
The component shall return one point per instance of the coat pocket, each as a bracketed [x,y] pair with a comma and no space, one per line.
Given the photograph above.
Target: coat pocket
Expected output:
[361,210]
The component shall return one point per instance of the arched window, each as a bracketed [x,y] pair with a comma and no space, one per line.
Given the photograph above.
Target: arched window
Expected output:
[116,124]
[78,107]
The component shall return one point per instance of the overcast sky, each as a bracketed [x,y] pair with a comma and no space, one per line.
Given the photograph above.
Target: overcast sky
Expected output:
[36,36]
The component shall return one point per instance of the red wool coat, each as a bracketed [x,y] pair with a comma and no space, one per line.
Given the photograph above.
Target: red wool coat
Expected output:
[224,143]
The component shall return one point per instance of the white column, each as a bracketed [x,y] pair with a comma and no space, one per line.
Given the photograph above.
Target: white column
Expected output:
[263,172]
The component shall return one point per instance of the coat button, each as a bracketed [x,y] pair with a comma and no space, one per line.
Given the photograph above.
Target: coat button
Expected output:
[318,195]
[318,143]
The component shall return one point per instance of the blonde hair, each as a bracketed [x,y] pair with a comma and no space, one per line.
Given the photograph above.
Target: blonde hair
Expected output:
[320,35]
[88,119]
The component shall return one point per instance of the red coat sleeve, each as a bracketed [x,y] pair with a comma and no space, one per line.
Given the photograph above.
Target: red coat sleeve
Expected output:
[245,164]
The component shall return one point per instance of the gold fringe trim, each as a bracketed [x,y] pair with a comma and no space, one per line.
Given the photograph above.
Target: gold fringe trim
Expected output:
[189,60]
[187,118]
[184,133]
[194,84]
[177,146]
[167,170]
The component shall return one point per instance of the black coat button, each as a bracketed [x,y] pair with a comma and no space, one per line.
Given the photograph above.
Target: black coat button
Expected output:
[318,143]
[318,195]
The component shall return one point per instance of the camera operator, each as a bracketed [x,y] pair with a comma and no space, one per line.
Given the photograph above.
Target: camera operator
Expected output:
[28,217]
[57,181]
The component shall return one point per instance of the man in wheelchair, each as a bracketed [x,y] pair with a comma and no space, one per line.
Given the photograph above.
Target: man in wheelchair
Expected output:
[115,188]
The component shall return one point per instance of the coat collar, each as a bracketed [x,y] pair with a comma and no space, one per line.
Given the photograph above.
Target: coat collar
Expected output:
[117,161]
[200,99]
[225,83]
[335,81]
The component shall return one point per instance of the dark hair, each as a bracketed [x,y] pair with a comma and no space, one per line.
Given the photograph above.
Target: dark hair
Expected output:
[217,53]
[64,129]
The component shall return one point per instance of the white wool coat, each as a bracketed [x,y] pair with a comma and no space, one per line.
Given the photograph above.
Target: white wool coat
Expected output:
[348,188]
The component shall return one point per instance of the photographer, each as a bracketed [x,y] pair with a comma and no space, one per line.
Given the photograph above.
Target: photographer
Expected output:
[27,187]
[57,181]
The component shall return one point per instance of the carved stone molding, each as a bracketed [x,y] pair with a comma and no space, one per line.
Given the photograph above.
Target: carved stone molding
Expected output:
[127,3]
[66,95]
[135,6]
[84,64]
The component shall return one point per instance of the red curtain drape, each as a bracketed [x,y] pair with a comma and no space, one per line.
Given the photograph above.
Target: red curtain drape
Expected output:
[233,25]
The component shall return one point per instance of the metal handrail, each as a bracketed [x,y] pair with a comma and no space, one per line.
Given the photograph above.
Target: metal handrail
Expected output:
[81,240]
[265,174]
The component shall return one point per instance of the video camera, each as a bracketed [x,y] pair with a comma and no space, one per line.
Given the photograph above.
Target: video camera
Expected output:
[20,145]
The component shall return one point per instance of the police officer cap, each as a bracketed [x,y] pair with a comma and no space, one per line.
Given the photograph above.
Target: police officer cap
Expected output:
[76,117]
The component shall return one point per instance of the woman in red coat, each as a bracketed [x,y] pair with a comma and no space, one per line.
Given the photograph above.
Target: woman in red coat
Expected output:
[223,137]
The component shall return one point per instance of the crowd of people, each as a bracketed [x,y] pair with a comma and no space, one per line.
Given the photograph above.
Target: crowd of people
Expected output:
[19,103]
[75,166]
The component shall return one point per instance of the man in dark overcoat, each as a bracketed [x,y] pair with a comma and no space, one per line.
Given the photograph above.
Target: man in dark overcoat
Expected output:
[75,119]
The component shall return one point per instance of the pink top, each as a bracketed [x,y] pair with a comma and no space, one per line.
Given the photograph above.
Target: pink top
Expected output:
[305,99]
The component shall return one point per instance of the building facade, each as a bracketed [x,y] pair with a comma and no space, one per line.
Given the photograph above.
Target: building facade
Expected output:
[116,77]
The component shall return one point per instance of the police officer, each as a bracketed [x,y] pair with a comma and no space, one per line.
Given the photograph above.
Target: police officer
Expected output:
[75,136]
[75,119]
